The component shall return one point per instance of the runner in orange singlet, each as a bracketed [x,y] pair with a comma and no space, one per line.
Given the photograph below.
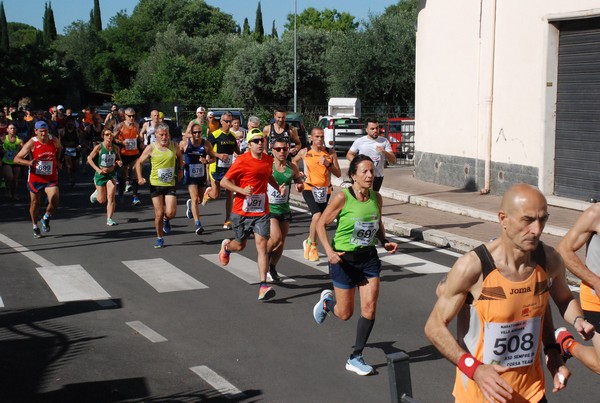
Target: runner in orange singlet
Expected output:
[127,136]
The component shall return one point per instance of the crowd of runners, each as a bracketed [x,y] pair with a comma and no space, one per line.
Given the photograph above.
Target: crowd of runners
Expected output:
[500,292]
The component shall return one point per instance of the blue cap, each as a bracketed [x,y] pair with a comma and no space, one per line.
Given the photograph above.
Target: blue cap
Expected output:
[40,124]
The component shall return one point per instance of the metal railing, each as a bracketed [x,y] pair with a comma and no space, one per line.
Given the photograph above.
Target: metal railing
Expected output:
[399,377]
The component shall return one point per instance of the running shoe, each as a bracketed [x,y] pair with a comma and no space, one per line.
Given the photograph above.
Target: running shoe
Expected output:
[166,226]
[37,234]
[227,224]
[265,292]
[110,222]
[160,243]
[274,275]
[188,212]
[313,253]
[136,201]
[206,197]
[357,364]
[93,196]
[565,339]
[306,246]
[319,311]
[199,228]
[224,253]
[45,224]
[128,188]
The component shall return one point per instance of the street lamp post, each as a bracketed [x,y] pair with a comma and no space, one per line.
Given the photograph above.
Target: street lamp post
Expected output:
[295,57]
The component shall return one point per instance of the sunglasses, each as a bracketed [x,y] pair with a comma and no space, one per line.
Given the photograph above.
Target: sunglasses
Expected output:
[257,141]
[197,131]
[130,116]
[281,149]
[226,121]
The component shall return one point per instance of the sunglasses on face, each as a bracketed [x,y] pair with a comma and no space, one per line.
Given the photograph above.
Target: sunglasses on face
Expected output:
[197,131]
[130,116]
[226,121]
[281,149]
[256,141]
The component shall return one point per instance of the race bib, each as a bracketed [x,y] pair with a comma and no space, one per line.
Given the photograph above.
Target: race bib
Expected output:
[319,194]
[254,203]
[107,160]
[44,167]
[224,164]
[511,344]
[364,232]
[196,170]
[275,197]
[130,144]
[166,175]
[376,159]
[71,151]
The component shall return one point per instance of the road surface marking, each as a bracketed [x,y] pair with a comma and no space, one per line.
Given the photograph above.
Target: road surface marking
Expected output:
[163,276]
[145,331]
[25,252]
[1,303]
[412,263]
[242,267]
[72,283]
[218,382]
[298,256]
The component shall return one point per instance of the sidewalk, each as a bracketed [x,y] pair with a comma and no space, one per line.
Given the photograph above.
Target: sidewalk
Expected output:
[450,217]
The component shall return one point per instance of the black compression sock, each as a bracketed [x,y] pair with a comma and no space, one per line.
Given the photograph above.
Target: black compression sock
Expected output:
[363,330]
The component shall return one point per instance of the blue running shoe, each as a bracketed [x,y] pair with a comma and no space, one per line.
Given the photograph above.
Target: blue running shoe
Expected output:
[319,311]
[37,234]
[166,226]
[357,364]
[45,224]
[188,212]
[160,243]
[199,228]
[136,201]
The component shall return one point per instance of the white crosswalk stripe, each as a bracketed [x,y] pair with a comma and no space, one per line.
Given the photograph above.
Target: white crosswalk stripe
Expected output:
[243,268]
[298,256]
[163,276]
[72,283]
[218,382]
[412,263]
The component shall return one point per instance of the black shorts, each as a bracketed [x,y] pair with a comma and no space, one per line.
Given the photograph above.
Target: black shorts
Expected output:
[200,182]
[156,191]
[129,159]
[594,318]
[377,181]
[283,217]
[313,206]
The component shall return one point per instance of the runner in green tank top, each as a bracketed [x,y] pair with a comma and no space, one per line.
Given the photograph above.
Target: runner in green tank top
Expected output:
[12,145]
[353,260]
[103,159]
[167,163]
[281,215]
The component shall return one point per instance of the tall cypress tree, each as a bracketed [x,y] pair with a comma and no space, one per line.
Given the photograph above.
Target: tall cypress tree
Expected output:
[3,30]
[51,23]
[246,30]
[97,22]
[46,29]
[259,31]
[274,34]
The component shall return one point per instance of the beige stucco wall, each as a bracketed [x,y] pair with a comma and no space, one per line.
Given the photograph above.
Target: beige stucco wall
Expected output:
[460,53]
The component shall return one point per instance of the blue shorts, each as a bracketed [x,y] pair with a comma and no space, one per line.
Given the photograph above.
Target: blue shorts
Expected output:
[217,176]
[200,182]
[243,226]
[35,187]
[356,268]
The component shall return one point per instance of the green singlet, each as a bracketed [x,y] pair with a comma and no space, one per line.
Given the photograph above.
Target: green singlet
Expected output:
[163,166]
[358,223]
[280,204]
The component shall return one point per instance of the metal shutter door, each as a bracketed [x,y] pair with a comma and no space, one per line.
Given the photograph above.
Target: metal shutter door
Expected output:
[577,154]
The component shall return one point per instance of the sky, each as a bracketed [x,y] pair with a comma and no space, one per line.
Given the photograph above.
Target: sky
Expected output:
[67,11]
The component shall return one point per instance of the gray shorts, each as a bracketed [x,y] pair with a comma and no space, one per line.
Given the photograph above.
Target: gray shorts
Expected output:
[244,226]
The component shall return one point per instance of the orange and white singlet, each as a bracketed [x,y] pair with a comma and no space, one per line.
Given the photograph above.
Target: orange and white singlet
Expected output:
[317,174]
[129,136]
[505,328]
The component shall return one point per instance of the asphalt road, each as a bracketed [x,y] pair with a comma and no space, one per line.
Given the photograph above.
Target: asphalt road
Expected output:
[92,313]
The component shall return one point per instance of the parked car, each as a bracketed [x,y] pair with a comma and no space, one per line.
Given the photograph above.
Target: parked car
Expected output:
[296,120]
[400,132]
[239,112]
[340,131]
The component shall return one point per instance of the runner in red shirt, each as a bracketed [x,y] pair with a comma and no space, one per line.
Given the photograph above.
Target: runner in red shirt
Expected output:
[43,173]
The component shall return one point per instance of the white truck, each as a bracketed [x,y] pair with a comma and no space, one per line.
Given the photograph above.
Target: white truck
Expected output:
[342,124]
[344,107]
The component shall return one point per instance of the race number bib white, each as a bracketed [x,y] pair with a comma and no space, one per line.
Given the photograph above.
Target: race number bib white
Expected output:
[130,144]
[166,175]
[511,344]
[275,197]
[319,194]
[364,232]
[108,160]
[196,170]
[254,203]
[224,164]
[44,167]
[376,159]
[71,151]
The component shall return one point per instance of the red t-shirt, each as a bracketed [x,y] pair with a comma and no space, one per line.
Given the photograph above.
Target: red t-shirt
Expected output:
[45,171]
[249,171]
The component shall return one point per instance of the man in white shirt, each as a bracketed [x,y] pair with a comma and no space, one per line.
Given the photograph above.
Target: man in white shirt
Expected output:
[375,147]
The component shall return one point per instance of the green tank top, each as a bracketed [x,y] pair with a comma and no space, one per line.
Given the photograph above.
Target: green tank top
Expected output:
[10,150]
[106,158]
[358,223]
[280,204]
[163,166]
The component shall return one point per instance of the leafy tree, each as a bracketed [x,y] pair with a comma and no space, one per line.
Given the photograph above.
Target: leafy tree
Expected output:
[274,34]
[4,40]
[97,18]
[246,29]
[330,20]
[21,34]
[259,32]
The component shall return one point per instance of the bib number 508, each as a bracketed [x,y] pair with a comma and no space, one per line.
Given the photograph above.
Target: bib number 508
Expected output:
[513,344]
